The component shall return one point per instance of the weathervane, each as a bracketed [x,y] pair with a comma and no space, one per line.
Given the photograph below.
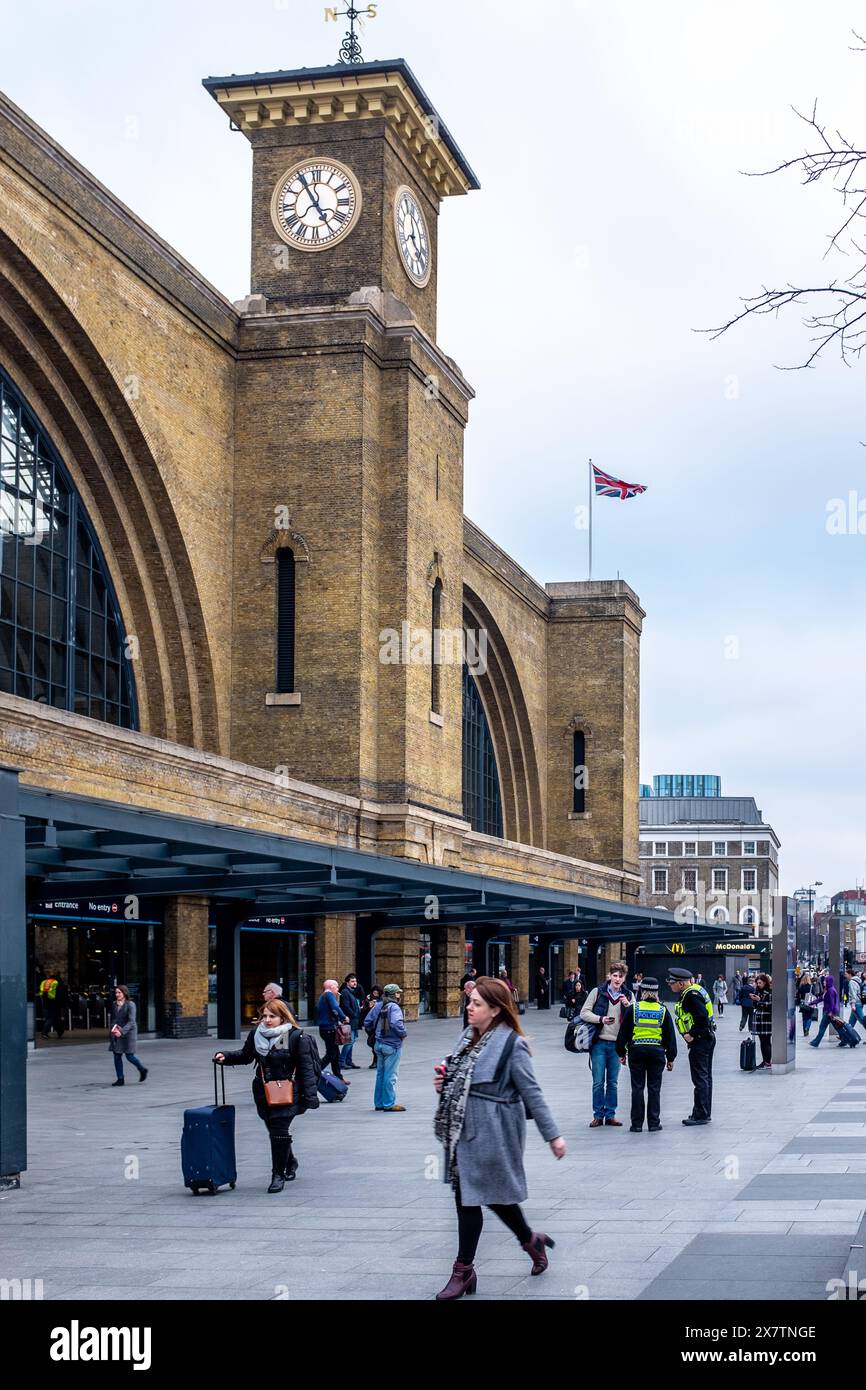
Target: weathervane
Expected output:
[350,48]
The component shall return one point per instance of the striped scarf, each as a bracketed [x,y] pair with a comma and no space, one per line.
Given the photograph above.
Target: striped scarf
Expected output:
[451,1111]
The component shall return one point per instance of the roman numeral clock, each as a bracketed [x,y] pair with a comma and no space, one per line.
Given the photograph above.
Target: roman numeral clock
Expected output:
[350,164]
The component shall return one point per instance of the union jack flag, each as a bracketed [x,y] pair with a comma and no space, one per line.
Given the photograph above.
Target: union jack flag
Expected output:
[606,486]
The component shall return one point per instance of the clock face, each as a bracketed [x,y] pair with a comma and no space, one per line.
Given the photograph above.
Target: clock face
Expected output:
[413,239]
[315,204]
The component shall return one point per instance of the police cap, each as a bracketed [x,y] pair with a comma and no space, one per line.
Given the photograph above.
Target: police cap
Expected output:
[676,972]
[648,982]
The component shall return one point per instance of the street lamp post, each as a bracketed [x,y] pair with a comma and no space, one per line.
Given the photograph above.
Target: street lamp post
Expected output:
[817,884]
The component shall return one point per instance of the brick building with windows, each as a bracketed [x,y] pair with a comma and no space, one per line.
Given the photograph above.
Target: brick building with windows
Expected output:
[232,535]
[708,855]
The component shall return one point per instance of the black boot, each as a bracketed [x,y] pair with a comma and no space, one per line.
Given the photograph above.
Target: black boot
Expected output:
[281,1147]
[291,1167]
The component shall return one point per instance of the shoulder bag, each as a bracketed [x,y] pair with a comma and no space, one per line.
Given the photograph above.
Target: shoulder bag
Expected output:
[278,1092]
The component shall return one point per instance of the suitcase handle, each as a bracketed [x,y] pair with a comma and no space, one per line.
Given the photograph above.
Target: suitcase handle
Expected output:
[217,1069]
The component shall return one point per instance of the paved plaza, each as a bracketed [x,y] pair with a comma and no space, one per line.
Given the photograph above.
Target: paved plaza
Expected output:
[764,1203]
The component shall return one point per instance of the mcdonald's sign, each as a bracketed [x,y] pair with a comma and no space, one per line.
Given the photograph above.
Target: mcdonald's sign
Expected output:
[677,948]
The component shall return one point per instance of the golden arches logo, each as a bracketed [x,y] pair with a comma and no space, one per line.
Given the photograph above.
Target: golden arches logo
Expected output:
[678,949]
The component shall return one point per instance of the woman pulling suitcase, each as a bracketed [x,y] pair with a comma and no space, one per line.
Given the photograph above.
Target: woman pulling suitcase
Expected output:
[284,1084]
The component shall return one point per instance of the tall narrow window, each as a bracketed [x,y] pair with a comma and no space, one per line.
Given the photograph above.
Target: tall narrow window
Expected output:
[578,774]
[285,621]
[482,801]
[435,626]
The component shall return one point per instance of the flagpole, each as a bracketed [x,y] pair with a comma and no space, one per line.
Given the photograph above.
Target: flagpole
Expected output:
[591,490]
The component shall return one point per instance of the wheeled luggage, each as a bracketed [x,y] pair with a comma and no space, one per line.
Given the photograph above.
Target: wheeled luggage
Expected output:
[748,1060]
[331,1087]
[845,1033]
[207,1145]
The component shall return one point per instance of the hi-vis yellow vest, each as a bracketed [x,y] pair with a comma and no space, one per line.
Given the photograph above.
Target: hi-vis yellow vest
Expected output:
[686,1020]
[648,1020]
[48,988]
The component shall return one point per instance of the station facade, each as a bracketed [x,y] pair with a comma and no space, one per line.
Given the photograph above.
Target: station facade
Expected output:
[239,587]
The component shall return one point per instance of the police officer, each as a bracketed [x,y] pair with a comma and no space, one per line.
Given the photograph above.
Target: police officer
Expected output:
[649,1037]
[694,1019]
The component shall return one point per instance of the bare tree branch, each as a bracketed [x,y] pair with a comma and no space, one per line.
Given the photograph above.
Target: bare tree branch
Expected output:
[835,314]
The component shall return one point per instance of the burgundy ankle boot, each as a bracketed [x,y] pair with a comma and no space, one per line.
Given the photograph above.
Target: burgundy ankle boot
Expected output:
[535,1248]
[463,1280]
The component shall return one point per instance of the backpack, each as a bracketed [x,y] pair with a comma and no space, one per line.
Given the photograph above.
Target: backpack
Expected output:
[579,1036]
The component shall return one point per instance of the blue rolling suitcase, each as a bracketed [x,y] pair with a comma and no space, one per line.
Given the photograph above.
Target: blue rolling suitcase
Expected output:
[331,1087]
[207,1145]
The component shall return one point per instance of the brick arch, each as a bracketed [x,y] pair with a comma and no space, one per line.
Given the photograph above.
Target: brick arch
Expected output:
[510,729]
[63,379]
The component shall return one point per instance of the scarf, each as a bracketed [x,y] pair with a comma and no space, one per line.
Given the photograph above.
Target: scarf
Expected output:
[451,1111]
[266,1039]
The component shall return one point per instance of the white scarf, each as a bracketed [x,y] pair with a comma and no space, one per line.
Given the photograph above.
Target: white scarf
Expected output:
[267,1039]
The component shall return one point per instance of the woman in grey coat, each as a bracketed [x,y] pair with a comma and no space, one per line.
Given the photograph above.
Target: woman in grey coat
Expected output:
[123,1035]
[487,1088]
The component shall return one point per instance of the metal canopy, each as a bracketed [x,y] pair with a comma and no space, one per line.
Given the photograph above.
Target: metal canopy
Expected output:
[80,847]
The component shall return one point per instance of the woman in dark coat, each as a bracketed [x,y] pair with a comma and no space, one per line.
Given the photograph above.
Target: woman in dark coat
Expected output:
[123,1035]
[542,989]
[486,1090]
[762,1019]
[282,1052]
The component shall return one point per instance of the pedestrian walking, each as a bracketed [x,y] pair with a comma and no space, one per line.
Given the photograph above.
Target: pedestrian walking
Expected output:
[806,1002]
[635,986]
[351,1006]
[646,1044]
[604,1009]
[283,1055]
[467,995]
[832,1015]
[542,989]
[470,974]
[372,998]
[123,1035]
[328,1015]
[762,1020]
[568,989]
[746,1001]
[271,991]
[855,999]
[579,993]
[503,975]
[696,1026]
[720,994]
[386,1024]
[486,1088]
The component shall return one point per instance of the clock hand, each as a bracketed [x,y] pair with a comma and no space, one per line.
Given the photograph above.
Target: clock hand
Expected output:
[313,198]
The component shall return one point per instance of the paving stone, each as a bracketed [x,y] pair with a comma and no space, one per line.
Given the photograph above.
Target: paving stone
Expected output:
[355,1192]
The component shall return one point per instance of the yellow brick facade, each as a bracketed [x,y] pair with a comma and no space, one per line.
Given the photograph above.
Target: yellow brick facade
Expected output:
[319,413]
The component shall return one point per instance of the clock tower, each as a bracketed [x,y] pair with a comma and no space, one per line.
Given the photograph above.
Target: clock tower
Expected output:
[349,423]
[350,164]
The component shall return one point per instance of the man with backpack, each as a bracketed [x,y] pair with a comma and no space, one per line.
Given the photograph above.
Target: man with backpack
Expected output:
[647,1041]
[855,999]
[385,1023]
[603,1010]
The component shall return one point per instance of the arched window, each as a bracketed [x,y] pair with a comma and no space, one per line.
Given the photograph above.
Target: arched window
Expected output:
[61,636]
[435,625]
[578,771]
[482,802]
[748,917]
[285,620]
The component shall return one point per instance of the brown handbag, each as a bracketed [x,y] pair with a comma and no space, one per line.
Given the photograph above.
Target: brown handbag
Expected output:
[278,1092]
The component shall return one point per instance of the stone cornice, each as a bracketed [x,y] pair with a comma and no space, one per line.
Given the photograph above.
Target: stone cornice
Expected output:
[272,100]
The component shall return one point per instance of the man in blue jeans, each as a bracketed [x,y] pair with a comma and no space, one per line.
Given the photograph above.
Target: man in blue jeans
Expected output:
[385,1023]
[604,1009]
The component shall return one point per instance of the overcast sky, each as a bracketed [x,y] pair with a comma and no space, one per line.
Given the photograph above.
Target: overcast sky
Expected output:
[574,317]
